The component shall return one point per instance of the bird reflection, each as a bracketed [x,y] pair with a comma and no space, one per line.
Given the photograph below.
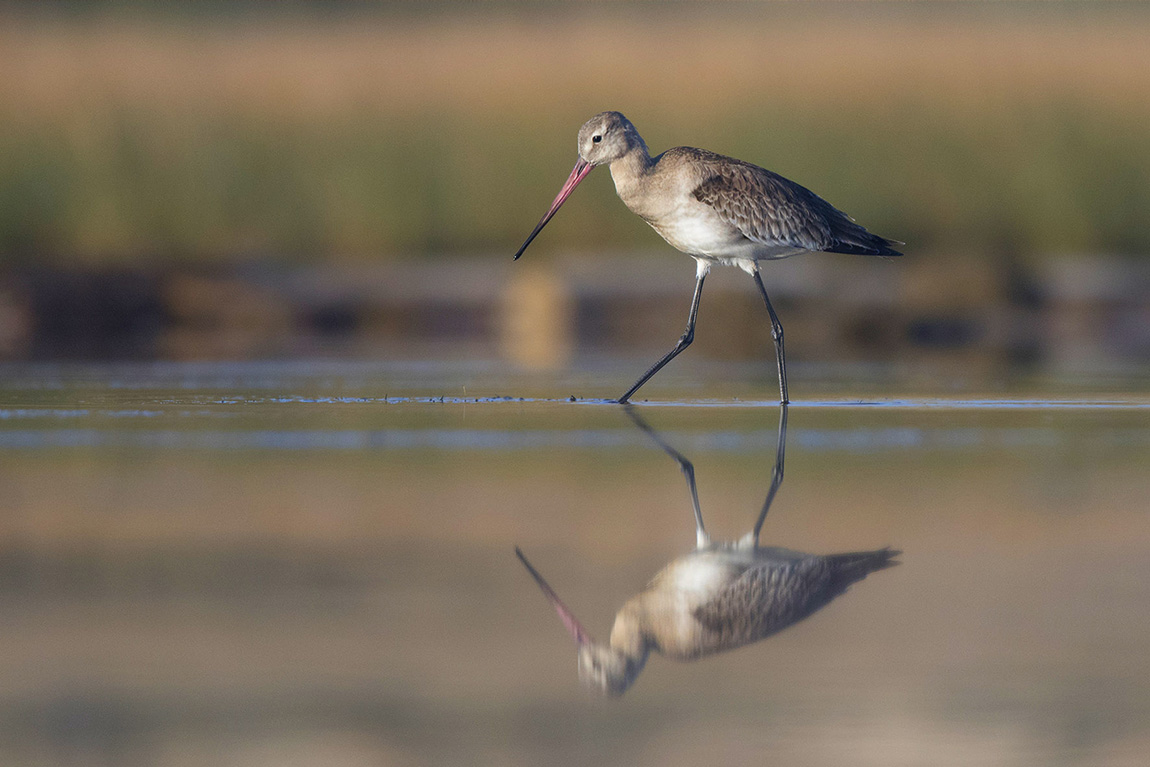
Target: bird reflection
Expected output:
[721,596]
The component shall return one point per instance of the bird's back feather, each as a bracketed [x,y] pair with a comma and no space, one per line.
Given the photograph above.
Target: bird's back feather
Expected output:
[771,210]
[772,595]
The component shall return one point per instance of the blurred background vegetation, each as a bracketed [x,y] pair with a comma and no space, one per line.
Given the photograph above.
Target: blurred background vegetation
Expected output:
[155,134]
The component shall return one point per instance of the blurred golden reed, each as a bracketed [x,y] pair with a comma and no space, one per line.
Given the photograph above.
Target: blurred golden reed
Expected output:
[289,136]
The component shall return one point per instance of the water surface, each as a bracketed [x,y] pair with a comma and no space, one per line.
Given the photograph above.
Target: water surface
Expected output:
[313,563]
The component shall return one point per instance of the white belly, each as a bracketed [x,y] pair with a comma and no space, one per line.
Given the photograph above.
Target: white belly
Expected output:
[699,576]
[697,230]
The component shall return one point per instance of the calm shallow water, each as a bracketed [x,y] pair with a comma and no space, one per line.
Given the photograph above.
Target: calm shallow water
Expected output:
[313,564]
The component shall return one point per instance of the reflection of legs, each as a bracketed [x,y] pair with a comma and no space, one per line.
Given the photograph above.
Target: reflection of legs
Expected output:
[776,475]
[684,340]
[777,335]
[701,538]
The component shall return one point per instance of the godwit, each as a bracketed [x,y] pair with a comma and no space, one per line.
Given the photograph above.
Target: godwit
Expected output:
[718,597]
[716,209]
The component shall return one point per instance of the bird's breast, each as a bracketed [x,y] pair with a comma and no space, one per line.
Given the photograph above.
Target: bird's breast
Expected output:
[663,199]
[676,592]
[696,229]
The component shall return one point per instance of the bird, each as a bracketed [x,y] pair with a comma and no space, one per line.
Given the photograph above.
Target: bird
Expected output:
[720,596]
[716,209]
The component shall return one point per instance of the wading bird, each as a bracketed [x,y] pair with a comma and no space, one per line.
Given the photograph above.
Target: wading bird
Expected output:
[716,209]
[718,597]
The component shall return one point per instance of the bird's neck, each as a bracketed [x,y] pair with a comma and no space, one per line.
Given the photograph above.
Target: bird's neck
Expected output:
[628,638]
[636,161]
[630,173]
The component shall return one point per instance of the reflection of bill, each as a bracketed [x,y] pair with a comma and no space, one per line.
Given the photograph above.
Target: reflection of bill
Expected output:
[718,597]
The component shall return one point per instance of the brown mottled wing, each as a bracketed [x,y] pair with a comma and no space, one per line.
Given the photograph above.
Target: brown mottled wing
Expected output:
[771,595]
[772,210]
[764,599]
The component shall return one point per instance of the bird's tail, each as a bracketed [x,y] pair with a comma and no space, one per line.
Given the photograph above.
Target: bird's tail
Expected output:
[863,243]
[854,566]
[849,237]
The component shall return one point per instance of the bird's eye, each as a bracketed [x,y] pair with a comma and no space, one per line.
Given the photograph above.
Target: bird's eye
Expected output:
[596,139]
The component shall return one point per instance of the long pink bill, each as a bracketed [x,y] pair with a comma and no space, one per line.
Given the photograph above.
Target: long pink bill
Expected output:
[582,168]
[577,631]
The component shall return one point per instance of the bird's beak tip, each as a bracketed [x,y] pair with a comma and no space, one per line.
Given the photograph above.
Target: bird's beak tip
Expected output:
[578,173]
[578,633]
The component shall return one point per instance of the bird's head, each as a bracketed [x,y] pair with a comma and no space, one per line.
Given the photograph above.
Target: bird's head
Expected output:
[602,668]
[606,137]
[606,670]
[603,139]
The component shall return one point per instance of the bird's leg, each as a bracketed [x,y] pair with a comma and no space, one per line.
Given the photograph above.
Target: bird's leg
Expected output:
[777,335]
[702,540]
[684,340]
[776,475]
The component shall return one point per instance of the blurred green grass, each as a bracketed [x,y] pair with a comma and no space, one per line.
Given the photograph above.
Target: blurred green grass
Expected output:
[167,140]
